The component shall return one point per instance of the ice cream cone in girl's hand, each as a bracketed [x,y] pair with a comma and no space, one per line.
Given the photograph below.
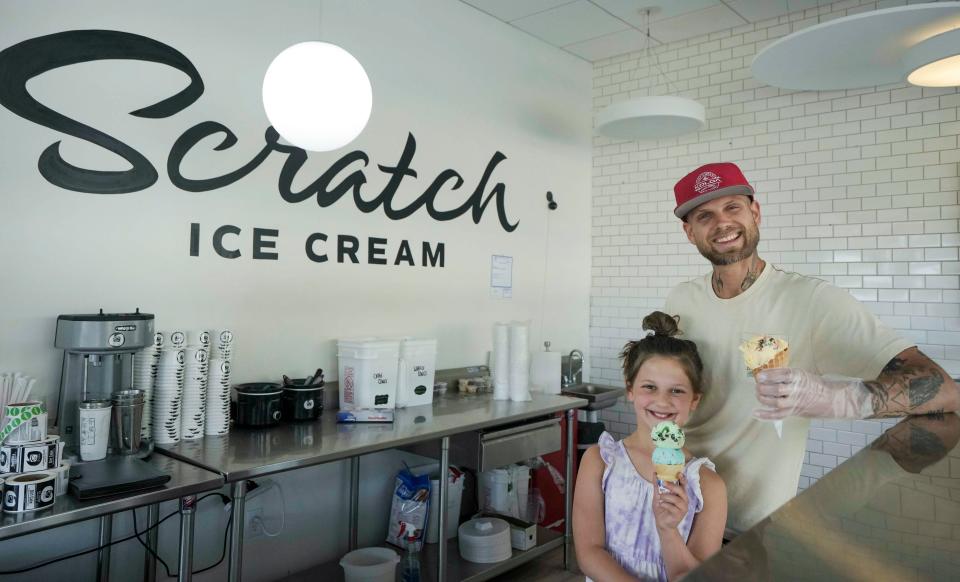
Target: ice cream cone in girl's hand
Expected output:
[668,458]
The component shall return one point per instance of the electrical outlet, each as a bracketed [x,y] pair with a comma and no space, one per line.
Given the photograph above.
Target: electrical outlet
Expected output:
[254,523]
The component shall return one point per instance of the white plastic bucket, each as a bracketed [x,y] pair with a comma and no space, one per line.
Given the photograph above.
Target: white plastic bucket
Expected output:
[368,373]
[418,365]
[496,491]
[370,565]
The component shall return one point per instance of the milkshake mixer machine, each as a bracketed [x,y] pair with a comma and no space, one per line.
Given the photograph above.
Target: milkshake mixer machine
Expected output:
[98,352]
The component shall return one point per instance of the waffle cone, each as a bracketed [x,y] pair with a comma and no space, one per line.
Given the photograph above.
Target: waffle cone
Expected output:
[669,473]
[781,360]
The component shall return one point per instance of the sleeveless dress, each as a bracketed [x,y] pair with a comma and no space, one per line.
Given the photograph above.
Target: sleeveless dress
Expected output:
[631,530]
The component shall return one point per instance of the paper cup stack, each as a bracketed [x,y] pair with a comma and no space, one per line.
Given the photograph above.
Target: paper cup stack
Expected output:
[218,387]
[167,395]
[194,404]
[144,375]
[218,398]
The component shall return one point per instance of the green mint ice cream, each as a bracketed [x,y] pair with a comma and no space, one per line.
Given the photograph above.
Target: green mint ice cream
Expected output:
[664,456]
[667,435]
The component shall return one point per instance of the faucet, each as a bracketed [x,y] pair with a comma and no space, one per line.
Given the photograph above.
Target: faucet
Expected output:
[571,378]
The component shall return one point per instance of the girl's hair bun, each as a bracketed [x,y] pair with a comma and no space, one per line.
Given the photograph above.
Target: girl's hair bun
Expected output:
[661,324]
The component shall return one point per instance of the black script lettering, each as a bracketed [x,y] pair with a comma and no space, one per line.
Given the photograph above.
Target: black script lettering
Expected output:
[259,243]
[28,59]
[347,245]
[194,239]
[430,257]
[24,61]
[320,187]
[198,132]
[375,251]
[313,238]
[218,241]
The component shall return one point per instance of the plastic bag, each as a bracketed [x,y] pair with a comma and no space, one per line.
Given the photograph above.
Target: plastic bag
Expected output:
[409,509]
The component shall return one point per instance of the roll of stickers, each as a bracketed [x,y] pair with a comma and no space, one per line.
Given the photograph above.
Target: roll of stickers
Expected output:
[29,492]
[37,456]
[25,422]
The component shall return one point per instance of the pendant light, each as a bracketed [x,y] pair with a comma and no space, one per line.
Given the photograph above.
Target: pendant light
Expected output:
[652,116]
[935,62]
[317,96]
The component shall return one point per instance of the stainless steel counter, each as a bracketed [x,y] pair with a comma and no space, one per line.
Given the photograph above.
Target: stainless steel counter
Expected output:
[249,453]
[890,512]
[185,479]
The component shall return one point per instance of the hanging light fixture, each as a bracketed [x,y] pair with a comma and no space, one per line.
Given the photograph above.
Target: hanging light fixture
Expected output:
[317,96]
[651,116]
[934,62]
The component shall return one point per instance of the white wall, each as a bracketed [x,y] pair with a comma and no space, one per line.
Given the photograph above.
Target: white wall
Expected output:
[463,83]
[857,187]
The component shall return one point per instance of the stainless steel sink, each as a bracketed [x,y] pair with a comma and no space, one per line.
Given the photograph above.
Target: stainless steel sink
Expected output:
[599,396]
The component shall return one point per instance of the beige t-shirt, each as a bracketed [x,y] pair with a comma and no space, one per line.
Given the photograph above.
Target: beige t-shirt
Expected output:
[829,332]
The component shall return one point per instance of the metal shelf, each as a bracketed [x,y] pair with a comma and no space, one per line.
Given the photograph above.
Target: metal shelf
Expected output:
[458,569]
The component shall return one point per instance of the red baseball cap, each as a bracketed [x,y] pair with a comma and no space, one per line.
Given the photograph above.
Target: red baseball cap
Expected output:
[708,182]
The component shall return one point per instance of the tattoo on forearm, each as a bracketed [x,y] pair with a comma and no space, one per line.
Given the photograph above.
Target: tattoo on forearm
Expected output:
[904,387]
[894,365]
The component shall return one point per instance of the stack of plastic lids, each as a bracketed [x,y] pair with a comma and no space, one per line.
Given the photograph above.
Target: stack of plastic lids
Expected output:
[485,540]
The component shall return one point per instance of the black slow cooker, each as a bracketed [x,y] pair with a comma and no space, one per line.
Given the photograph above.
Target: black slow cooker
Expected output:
[258,404]
[301,402]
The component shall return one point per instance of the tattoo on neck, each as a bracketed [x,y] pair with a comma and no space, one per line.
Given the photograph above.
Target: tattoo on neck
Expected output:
[717,284]
[752,273]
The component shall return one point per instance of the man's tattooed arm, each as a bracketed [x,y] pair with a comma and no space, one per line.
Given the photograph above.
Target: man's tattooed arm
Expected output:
[912,383]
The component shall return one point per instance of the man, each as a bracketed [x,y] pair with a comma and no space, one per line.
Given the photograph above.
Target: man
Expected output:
[827,330]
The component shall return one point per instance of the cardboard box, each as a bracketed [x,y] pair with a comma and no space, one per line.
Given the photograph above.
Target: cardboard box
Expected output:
[523,534]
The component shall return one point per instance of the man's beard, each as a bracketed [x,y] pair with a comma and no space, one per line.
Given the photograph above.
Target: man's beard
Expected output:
[751,237]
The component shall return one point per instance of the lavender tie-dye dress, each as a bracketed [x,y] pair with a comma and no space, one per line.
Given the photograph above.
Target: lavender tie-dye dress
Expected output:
[631,530]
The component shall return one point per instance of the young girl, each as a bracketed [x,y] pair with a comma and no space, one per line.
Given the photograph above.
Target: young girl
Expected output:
[623,527]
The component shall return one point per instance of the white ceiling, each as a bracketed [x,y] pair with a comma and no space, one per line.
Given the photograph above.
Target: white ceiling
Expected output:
[598,29]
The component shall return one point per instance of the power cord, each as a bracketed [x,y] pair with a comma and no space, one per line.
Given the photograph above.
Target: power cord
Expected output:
[166,567]
[128,538]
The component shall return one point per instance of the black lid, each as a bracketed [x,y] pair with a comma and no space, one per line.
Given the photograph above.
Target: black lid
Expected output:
[258,387]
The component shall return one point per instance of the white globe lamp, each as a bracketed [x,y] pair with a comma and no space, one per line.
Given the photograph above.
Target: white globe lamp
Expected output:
[317,96]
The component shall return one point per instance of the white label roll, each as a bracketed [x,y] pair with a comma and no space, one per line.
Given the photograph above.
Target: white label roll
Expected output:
[29,492]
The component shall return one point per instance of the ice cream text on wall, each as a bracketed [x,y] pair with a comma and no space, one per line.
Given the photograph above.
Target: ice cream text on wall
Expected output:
[23,61]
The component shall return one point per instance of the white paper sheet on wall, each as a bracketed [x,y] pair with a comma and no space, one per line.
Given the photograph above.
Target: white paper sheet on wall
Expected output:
[501,276]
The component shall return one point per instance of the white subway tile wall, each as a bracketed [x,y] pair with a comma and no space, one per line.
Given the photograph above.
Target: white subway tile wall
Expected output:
[857,187]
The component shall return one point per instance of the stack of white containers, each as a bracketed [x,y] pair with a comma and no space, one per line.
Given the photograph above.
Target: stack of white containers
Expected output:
[168,391]
[189,393]
[144,376]
[218,398]
[511,361]
[217,420]
[194,404]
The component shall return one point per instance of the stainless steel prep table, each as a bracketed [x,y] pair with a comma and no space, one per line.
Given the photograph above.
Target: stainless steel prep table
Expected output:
[246,453]
[186,481]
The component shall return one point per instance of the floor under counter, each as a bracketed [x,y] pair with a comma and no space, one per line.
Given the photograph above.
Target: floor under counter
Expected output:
[547,568]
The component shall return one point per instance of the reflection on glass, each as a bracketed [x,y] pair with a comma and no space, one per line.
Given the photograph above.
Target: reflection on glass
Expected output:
[891,512]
